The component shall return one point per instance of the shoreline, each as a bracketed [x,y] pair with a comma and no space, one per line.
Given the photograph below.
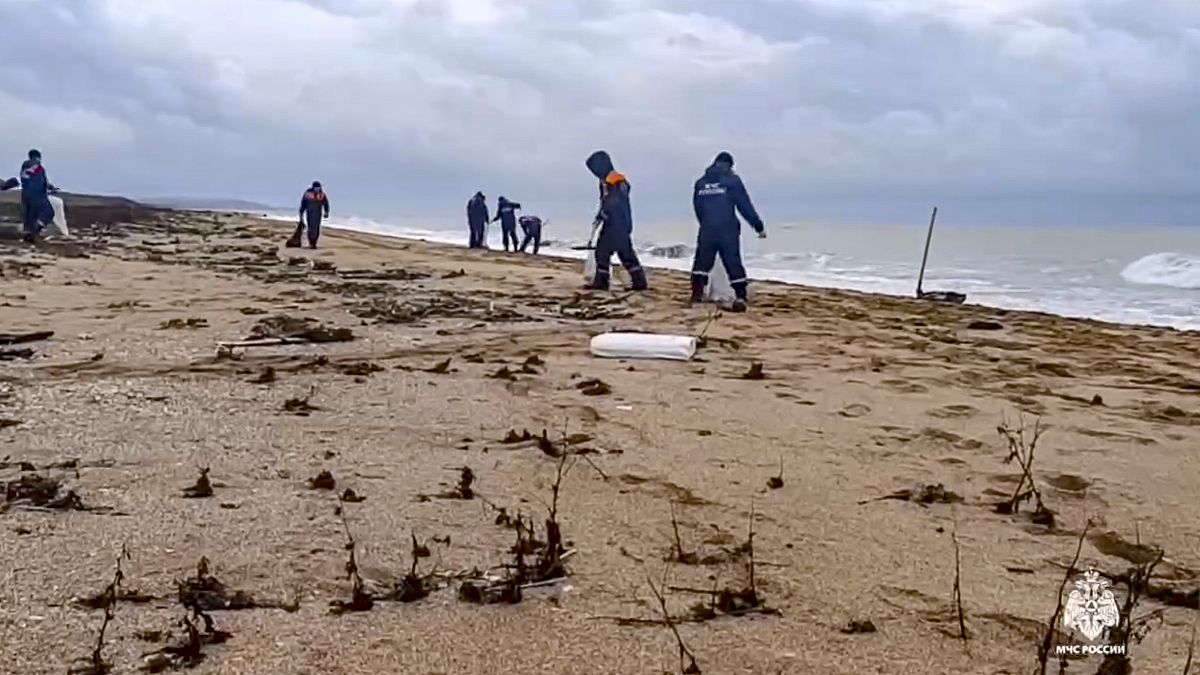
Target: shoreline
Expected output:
[559,257]
[771,277]
[805,420]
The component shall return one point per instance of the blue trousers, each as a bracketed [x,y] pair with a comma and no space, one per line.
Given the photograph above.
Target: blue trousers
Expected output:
[313,220]
[509,231]
[36,212]
[477,228]
[727,245]
[621,243]
[533,233]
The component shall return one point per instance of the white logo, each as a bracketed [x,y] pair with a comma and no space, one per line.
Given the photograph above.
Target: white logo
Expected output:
[1091,608]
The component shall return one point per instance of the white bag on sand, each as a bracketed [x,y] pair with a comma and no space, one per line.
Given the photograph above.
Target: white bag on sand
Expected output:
[718,289]
[57,227]
[589,266]
[644,346]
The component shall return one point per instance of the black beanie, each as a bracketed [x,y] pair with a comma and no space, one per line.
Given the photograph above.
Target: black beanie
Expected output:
[724,157]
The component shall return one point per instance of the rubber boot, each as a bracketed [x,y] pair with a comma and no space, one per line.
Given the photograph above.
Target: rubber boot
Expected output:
[599,283]
[697,292]
[739,304]
[637,280]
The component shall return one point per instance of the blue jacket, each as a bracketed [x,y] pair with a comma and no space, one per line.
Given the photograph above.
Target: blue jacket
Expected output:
[314,203]
[506,213]
[716,196]
[34,182]
[477,210]
[616,211]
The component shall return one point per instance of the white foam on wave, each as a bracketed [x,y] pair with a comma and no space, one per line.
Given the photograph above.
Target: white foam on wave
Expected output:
[1164,269]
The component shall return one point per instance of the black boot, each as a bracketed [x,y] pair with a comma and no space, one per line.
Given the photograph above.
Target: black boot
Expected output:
[598,283]
[697,291]
[637,279]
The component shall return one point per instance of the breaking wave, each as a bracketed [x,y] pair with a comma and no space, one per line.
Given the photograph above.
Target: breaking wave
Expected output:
[1164,269]
[672,252]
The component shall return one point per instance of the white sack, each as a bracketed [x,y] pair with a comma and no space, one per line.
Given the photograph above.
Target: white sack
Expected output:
[57,227]
[589,266]
[718,289]
[644,346]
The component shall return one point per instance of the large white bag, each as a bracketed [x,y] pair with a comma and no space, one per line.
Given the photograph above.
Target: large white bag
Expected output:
[57,227]
[718,289]
[644,346]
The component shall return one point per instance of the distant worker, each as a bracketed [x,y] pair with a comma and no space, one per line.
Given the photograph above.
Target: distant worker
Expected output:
[36,187]
[506,213]
[615,219]
[477,220]
[715,198]
[313,205]
[532,227]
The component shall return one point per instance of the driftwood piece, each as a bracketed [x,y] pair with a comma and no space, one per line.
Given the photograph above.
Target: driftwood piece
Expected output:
[264,342]
[21,338]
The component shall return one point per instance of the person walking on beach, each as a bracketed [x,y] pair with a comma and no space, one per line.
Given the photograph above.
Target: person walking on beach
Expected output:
[36,187]
[477,220]
[715,198]
[506,213]
[615,219]
[532,227]
[313,205]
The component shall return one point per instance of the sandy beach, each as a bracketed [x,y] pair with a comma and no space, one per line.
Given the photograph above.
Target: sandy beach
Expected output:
[845,397]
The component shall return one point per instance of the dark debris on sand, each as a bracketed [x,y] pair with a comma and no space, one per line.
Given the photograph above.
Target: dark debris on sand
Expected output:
[298,328]
[178,324]
[206,592]
[322,481]
[755,372]
[594,387]
[202,489]
[923,495]
[41,492]
[300,406]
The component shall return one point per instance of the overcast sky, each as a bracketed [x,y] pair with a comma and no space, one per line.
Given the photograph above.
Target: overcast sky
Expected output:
[837,109]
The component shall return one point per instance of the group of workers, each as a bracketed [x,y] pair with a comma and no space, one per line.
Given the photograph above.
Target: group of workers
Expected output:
[717,198]
[36,188]
[506,213]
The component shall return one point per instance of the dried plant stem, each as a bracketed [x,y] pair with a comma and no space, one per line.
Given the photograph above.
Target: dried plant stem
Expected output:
[1048,639]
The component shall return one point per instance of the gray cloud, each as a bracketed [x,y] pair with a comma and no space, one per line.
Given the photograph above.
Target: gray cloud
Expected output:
[407,106]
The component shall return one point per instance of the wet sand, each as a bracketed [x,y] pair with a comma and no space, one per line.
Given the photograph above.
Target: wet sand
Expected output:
[861,396]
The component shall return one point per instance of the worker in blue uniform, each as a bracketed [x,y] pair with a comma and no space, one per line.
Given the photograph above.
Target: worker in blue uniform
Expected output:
[615,219]
[717,199]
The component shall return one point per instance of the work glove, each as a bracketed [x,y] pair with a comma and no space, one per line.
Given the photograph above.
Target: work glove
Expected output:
[762,234]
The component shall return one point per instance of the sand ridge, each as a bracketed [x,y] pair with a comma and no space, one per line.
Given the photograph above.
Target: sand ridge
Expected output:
[859,397]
